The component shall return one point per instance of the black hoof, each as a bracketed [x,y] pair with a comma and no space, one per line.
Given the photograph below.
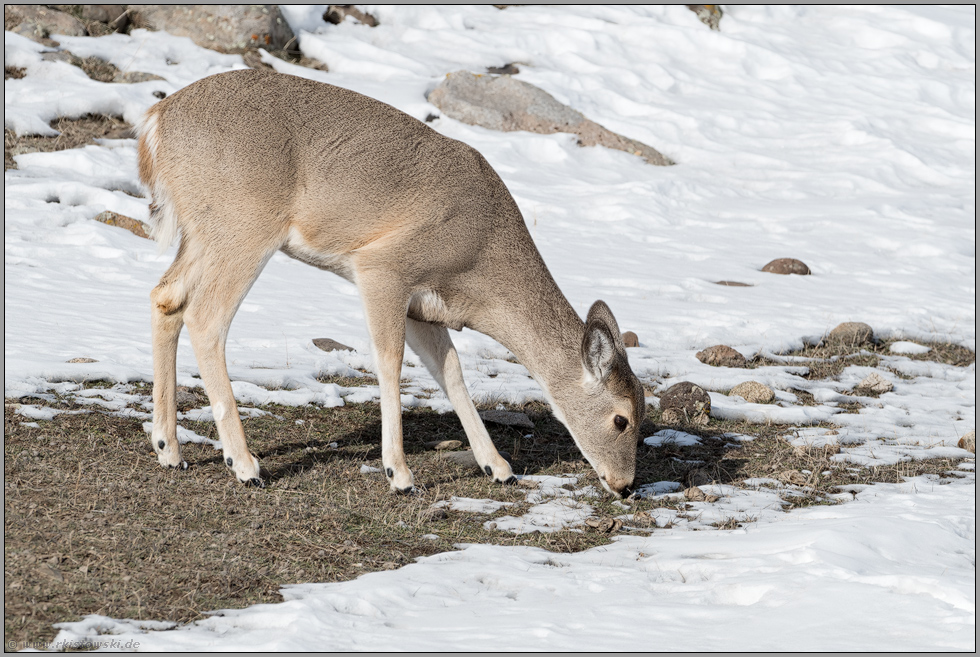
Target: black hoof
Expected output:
[180,466]
[255,482]
[408,490]
[510,480]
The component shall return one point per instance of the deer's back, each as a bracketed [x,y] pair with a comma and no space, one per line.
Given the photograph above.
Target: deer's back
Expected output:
[344,170]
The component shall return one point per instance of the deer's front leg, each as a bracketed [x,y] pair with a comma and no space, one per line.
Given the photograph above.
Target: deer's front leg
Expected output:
[385,310]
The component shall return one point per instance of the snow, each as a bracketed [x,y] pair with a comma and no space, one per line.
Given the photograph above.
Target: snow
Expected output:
[842,136]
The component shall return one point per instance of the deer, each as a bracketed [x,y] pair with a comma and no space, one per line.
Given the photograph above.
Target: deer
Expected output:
[247,163]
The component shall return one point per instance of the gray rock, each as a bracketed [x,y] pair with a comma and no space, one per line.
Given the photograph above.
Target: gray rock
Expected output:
[467,460]
[221,27]
[82,359]
[875,384]
[38,22]
[685,402]
[753,392]
[122,221]
[969,441]
[132,77]
[326,344]
[851,333]
[503,103]
[786,266]
[336,14]
[443,445]
[510,418]
[721,355]
[710,15]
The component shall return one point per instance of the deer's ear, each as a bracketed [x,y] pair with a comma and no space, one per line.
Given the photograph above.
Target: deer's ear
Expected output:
[600,312]
[598,349]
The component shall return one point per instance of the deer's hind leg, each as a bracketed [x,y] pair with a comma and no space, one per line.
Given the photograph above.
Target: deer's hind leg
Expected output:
[213,283]
[434,346]
[168,301]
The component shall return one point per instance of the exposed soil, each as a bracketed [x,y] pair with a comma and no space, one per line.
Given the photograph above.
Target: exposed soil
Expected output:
[93,525]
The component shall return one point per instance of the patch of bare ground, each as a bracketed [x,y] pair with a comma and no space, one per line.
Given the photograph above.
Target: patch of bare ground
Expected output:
[828,360]
[93,525]
[74,133]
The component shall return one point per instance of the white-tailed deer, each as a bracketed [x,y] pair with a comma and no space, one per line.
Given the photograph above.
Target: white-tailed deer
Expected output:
[247,163]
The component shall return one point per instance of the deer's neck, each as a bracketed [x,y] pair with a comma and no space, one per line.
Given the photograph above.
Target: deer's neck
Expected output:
[538,325]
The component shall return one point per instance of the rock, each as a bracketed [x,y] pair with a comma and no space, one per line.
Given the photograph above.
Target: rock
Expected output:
[38,22]
[443,445]
[794,477]
[695,478]
[504,103]
[506,69]
[82,359]
[115,16]
[710,15]
[722,356]
[875,384]
[695,494]
[132,77]
[122,221]
[605,525]
[337,13]
[733,284]
[510,418]
[630,339]
[467,460]
[968,442]
[787,266]
[221,27]
[753,392]
[435,513]
[326,344]
[685,402]
[851,333]
[49,571]
[186,397]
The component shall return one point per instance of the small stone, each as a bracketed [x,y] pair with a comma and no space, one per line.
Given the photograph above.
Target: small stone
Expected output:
[443,445]
[605,525]
[132,77]
[336,14]
[733,284]
[794,477]
[694,494]
[508,418]
[186,397]
[685,402]
[38,22]
[875,384]
[82,359]
[787,266]
[851,333]
[122,221]
[468,460]
[630,339]
[721,356]
[326,344]
[753,392]
[49,571]
[506,69]
[710,15]
[969,442]
[697,477]
[435,513]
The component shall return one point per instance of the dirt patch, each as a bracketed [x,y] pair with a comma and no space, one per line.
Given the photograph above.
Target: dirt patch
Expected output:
[828,360]
[93,525]
[74,133]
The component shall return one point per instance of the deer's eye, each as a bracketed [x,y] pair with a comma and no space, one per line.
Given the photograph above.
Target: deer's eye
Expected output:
[621,422]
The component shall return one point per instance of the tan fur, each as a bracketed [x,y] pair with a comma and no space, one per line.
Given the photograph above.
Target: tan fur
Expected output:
[246,163]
